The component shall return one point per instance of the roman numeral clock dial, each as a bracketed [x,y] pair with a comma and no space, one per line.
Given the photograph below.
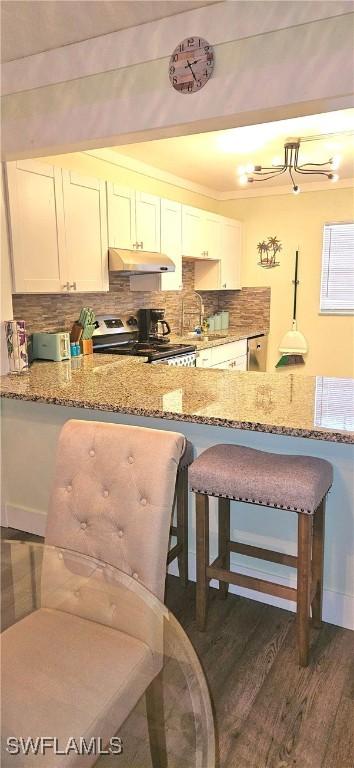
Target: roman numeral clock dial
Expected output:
[191,65]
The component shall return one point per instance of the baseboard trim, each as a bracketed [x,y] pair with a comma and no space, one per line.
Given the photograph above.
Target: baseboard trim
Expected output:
[338,608]
[26,519]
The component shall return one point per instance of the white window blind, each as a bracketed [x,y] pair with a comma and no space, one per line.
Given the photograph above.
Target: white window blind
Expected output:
[334,403]
[337,281]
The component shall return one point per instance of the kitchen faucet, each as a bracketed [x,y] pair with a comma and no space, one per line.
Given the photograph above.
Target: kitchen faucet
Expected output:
[201,309]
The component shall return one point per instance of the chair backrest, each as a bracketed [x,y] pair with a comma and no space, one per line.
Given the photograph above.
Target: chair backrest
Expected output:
[112,496]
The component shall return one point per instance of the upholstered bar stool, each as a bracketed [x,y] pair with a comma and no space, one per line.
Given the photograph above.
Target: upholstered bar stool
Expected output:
[180,530]
[292,483]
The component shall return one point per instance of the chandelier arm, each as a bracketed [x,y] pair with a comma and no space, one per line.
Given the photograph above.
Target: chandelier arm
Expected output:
[270,168]
[266,178]
[317,165]
[308,172]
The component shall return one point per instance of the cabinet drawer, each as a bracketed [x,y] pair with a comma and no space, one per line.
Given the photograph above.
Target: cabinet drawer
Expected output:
[204,358]
[228,351]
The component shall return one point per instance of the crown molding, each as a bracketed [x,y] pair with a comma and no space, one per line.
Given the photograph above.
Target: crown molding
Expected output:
[150,171]
[138,166]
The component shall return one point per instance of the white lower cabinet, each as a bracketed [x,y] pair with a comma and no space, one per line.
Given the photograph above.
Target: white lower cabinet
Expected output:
[230,356]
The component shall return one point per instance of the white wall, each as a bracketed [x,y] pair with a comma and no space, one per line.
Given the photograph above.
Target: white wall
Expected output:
[6,282]
[273,60]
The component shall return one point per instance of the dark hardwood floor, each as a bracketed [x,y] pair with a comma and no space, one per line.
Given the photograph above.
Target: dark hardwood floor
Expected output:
[270,713]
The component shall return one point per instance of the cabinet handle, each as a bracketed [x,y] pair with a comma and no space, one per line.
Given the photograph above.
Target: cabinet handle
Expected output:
[141,244]
[224,285]
[206,253]
[73,286]
[66,286]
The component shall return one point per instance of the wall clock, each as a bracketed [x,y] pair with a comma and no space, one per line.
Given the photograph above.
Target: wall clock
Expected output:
[191,65]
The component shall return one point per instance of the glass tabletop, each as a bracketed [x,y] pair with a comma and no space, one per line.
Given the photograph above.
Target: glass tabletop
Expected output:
[95,669]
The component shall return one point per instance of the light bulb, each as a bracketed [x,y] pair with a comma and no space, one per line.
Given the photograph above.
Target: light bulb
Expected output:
[335,162]
[296,189]
[241,170]
[334,176]
[250,168]
[243,178]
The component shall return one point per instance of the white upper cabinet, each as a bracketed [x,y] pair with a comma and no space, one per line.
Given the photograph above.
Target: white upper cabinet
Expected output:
[133,219]
[147,217]
[121,216]
[171,244]
[212,230]
[85,232]
[58,224]
[193,244]
[37,226]
[222,274]
[231,248]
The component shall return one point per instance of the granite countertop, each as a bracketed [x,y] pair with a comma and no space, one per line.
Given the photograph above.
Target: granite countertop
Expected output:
[281,403]
[217,338]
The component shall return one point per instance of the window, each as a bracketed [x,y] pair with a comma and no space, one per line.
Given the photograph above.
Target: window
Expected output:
[337,280]
[334,403]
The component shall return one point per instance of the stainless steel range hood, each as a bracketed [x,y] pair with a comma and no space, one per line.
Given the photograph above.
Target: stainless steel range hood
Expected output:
[138,262]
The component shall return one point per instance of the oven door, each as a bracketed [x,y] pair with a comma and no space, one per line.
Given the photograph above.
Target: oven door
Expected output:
[188,360]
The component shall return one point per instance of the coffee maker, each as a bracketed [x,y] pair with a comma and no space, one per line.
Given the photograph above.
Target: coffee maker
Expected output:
[152,326]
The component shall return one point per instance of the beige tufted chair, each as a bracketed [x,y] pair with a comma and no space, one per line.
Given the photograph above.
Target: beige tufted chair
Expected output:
[112,499]
[113,495]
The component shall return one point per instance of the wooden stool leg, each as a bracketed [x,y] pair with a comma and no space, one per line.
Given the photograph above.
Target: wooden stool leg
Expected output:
[156,723]
[202,534]
[224,538]
[182,524]
[317,563]
[304,586]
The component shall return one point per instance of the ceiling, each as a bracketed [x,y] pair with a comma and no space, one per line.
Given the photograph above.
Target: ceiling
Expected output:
[33,26]
[213,159]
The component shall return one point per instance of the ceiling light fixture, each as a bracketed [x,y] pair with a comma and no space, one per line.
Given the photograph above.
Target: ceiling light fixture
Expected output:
[291,164]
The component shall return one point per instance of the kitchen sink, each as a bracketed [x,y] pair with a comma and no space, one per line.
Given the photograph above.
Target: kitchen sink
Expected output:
[213,336]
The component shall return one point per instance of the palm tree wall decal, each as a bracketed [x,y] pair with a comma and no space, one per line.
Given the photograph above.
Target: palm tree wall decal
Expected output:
[267,251]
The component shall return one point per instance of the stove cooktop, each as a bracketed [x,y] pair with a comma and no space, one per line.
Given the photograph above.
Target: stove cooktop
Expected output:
[151,350]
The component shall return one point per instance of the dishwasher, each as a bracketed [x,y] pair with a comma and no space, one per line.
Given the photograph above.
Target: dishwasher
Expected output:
[257,353]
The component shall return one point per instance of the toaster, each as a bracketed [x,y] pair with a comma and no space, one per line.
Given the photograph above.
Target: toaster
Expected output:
[51,346]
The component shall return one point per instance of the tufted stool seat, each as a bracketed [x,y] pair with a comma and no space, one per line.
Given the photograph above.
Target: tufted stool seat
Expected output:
[179,531]
[292,483]
[297,483]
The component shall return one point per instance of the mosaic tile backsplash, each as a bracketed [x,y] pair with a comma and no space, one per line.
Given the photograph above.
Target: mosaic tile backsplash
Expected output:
[50,312]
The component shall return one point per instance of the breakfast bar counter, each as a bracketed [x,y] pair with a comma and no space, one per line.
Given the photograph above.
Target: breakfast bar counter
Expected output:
[280,403]
[280,412]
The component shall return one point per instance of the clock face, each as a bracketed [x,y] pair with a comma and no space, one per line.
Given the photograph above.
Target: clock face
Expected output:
[191,65]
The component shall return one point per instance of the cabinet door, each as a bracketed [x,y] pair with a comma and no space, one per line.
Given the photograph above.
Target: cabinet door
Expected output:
[147,216]
[231,247]
[171,243]
[85,215]
[121,216]
[211,233]
[37,226]
[204,359]
[193,243]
